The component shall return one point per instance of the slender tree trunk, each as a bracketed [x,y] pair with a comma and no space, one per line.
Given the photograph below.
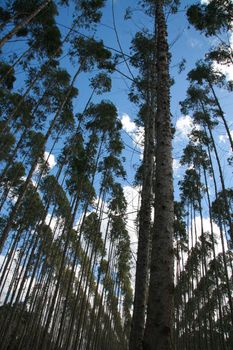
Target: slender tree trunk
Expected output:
[93,316]
[221,114]
[142,267]
[215,272]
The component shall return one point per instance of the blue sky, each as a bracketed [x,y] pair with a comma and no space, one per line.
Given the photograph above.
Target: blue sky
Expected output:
[185,43]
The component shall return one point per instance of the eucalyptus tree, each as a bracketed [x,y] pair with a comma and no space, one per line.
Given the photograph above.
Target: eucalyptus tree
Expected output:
[37,154]
[205,75]
[114,145]
[201,104]
[192,192]
[29,17]
[214,19]
[181,247]
[92,13]
[117,206]
[48,88]
[37,15]
[203,107]
[206,164]
[91,53]
[143,59]
[196,156]
[103,122]
[159,323]
[84,16]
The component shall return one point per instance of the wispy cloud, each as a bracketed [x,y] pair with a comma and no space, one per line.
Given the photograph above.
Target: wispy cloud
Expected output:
[184,126]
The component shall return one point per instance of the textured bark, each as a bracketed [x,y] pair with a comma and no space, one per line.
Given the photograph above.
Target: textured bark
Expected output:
[159,324]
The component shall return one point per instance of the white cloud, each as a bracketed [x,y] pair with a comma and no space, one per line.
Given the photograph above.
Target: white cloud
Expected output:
[138,138]
[224,138]
[136,133]
[127,124]
[223,68]
[51,162]
[50,158]
[206,2]
[184,126]
[176,166]
[227,70]
[51,221]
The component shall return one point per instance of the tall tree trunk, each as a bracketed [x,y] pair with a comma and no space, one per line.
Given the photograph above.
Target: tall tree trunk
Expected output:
[141,283]
[159,324]
[221,327]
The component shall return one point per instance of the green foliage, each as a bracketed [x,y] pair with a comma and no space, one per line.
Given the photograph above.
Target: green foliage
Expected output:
[9,73]
[213,17]
[118,202]
[103,117]
[91,53]
[51,239]
[53,193]
[196,156]
[36,145]
[101,83]
[7,141]
[221,54]
[90,11]
[44,36]
[206,73]
[191,187]
[221,207]
[179,223]
[26,217]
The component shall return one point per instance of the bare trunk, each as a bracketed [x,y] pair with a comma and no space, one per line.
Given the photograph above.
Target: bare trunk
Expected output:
[158,332]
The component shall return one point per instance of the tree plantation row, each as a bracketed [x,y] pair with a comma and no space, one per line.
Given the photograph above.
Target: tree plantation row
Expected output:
[70,276]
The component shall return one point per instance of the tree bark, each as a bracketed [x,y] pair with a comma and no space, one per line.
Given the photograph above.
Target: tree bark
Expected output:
[159,324]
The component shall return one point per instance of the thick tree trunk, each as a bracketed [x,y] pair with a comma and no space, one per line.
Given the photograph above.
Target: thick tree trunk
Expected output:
[158,332]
